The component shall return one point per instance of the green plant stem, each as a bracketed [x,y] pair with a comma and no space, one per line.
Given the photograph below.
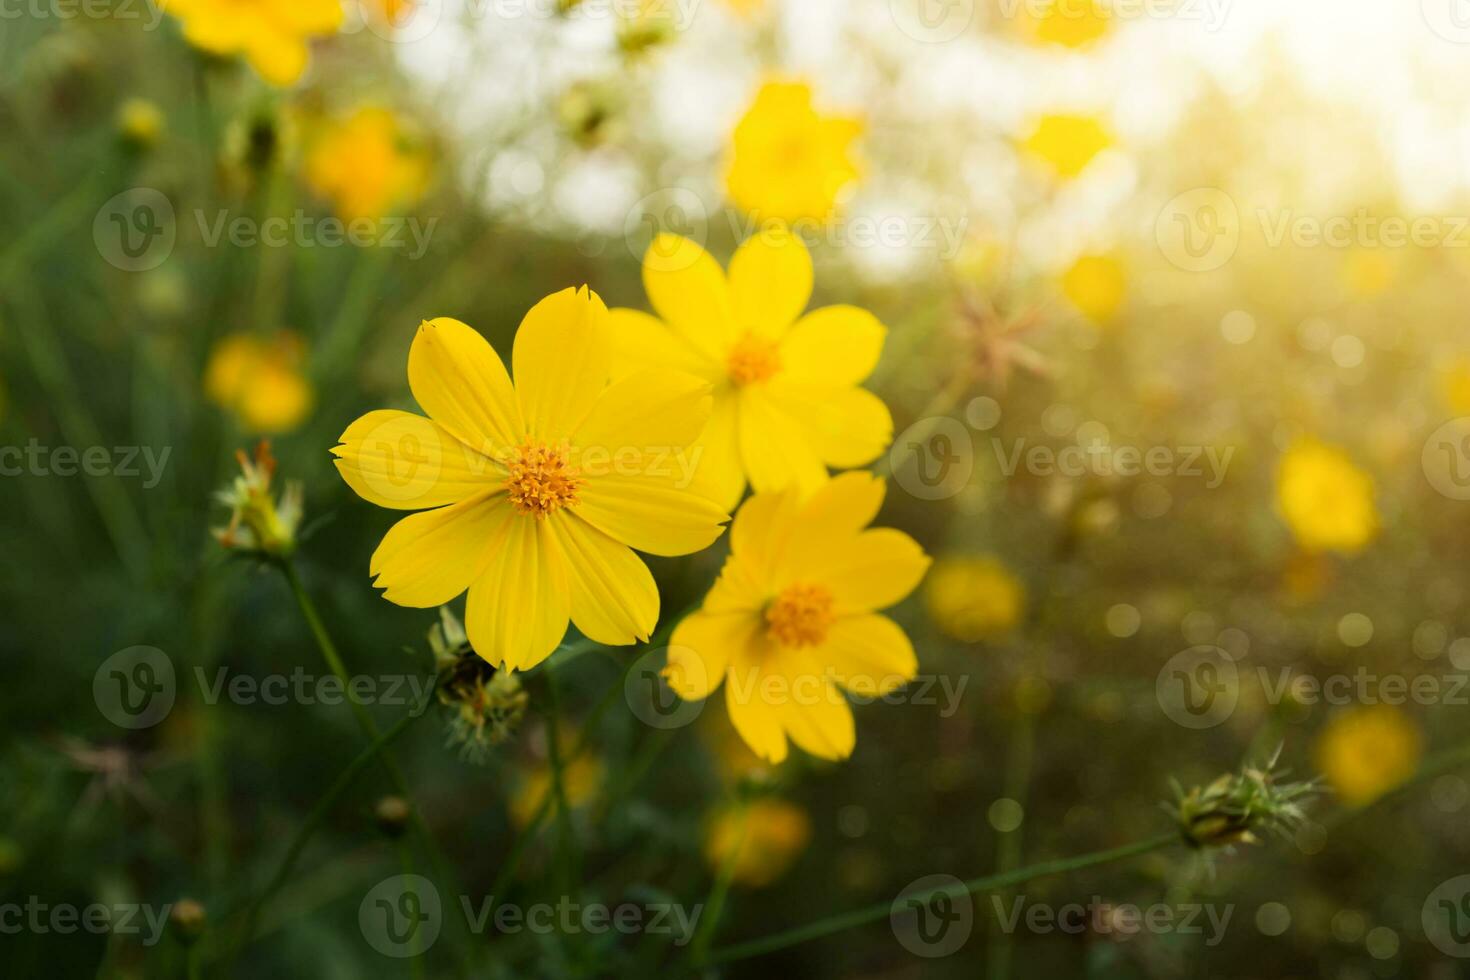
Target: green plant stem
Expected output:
[714,902]
[566,858]
[192,958]
[873,913]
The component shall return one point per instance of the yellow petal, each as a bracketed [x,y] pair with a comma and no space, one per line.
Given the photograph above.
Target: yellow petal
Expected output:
[639,341]
[656,514]
[873,570]
[773,447]
[817,717]
[770,281]
[754,719]
[614,600]
[839,509]
[836,346]
[701,649]
[741,587]
[562,360]
[718,474]
[459,380]
[762,531]
[427,559]
[517,611]
[842,427]
[407,462]
[688,291]
[280,59]
[869,654]
[649,412]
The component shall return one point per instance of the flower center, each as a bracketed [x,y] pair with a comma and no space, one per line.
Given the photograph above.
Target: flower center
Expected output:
[753,359]
[800,616]
[541,480]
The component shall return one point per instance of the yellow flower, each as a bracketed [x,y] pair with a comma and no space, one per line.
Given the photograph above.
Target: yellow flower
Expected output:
[538,491]
[765,836]
[972,598]
[787,162]
[792,618]
[1096,285]
[1070,23]
[260,381]
[1454,385]
[1068,143]
[271,34]
[581,779]
[140,122]
[1369,272]
[364,165]
[746,8]
[786,397]
[1325,499]
[1364,752]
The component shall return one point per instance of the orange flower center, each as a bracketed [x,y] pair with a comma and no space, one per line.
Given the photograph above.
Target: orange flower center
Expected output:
[800,616]
[541,480]
[753,359]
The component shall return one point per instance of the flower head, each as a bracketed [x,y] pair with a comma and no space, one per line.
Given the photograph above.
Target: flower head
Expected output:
[786,161]
[1366,751]
[786,399]
[792,623]
[258,522]
[534,495]
[366,165]
[762,838]
[1325,499]
[271,34]
[1067,143]
[486,705]
[1240,807]
[259,380]
[972,598]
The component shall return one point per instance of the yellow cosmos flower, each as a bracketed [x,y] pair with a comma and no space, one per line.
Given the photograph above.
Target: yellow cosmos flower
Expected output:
[1365,752]
[786,161]
[762,838]
[786,399]
[972,598]
[365,166]
[1097,286]
[271,34]
[1068,143]
[533,495]
[1069,23]
[792,618]
[259,380]
[581,780]
[1325,499]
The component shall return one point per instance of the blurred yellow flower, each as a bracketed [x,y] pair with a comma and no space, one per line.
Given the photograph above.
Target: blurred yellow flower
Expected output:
[1325,499]
[539,492]
[786,399]
[1366,751]
[365,165]
[1097,286]
[1067,143]
[1369,272]
[763,838]
[746,8]
[140,122]
[271,34]
[792,622]
[1070,23]
[1454,385]
[786,161]
[972,598]
[260,381]
[581,780]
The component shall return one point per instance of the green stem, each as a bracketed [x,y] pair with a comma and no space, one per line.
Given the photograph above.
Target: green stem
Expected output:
[873,913]
[566,844]
[714,902]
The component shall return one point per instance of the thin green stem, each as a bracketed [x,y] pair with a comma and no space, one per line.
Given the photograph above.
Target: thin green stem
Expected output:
[873,913]
[565,838]
[714,902]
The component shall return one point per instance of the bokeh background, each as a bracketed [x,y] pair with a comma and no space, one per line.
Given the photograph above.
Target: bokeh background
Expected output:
[1231,231]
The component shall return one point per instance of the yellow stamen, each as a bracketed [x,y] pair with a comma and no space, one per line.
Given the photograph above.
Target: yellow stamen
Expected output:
[753,358]
[800,616]
[541,480]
